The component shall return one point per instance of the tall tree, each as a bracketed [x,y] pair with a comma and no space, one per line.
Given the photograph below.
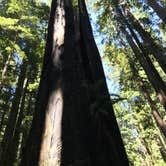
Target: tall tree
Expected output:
[137,108]
[161,124]
[14,143]
[149,42]
[101,95]
[142,55]
[150,70]
[63,131]
[12,119]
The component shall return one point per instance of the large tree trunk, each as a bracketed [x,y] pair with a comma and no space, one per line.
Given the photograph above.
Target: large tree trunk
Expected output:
[62,132]
[8,134]
[153,48]
[108,148]
[59,133]
[161,11]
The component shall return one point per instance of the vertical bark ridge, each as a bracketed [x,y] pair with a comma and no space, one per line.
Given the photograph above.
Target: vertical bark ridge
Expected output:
[108,147]
[61,132]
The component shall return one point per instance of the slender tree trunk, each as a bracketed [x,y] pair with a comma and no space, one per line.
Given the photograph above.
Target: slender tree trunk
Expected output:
[149,69]
[62,132]
[8,134]
[2,120]
[147,150]
[4,71]
[162,148]
[25,131]
[161,11]
[150,44]
[161,124]
[5,112]
[14,144]
[6,66]
[152,74]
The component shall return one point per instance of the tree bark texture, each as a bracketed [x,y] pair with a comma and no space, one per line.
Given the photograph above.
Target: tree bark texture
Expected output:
[105,124]
[162,148]
[64,131]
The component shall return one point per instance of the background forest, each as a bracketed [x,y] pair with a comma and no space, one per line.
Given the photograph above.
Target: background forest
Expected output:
[131,35]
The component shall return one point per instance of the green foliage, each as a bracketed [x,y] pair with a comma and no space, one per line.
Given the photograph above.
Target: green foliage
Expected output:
[138,128]
[22,39]
[23,33]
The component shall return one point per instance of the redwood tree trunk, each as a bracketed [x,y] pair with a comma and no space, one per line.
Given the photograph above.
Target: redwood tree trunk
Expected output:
[150,70]
[161,124]
[14,144]
[142,55]
[161,11]
[63,132]
[108,147]
[150,44]
[59,133]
